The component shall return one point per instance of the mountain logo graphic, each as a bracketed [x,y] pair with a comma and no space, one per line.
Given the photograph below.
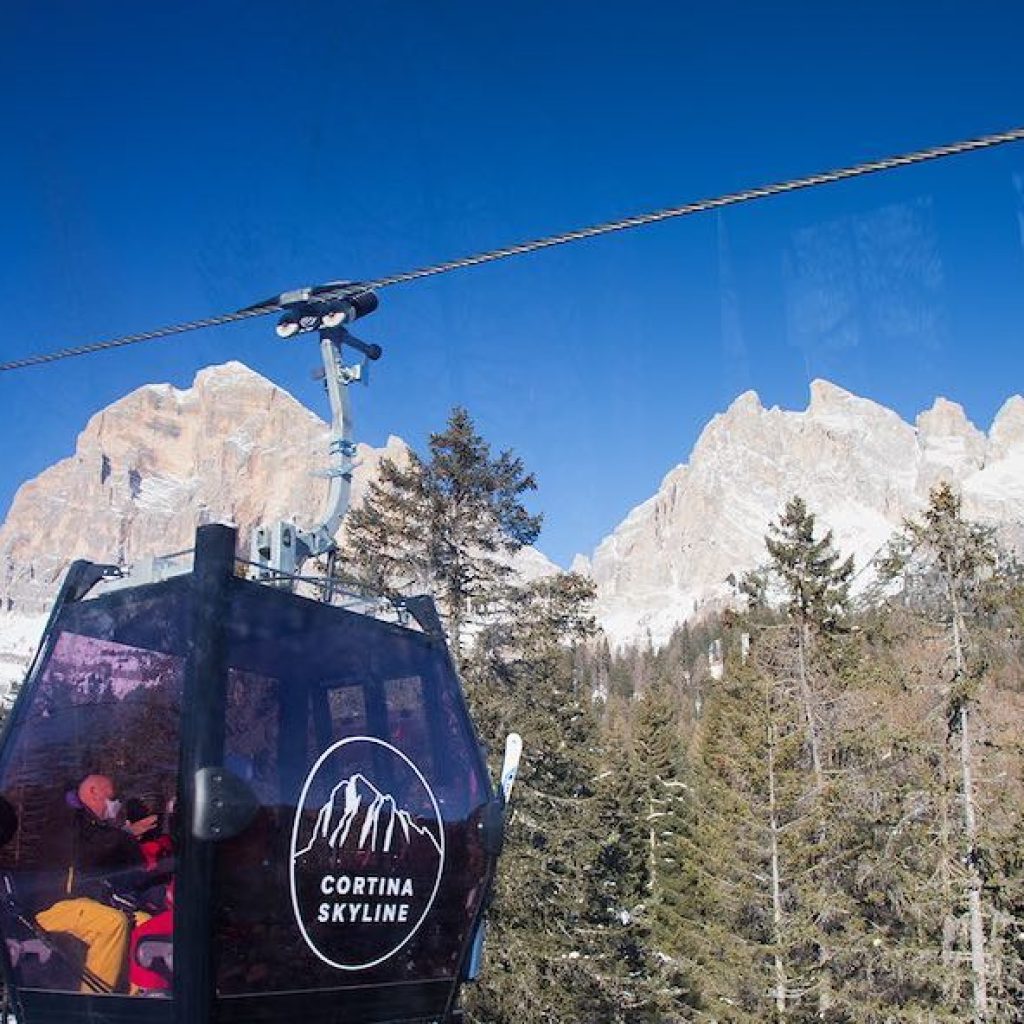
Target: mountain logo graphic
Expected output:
[367,853]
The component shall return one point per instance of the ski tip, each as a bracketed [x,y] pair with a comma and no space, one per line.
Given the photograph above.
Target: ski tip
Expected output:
[510,767]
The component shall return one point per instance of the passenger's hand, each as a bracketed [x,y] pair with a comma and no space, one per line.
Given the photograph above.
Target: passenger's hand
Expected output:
[142,826]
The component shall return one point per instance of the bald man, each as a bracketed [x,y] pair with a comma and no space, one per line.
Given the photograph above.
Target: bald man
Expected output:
[104,857]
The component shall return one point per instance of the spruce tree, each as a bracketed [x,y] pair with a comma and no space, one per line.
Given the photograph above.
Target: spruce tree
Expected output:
[449,522]
[725,937]
[664,778]
[664,784]
[945,562]
[814,583]
[616,925]
[543,962]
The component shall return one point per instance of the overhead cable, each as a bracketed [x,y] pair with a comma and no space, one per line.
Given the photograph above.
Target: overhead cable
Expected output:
[639,220]
[702,205]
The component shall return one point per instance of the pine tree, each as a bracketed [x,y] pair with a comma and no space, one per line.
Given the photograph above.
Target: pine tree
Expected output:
[664,784]
[543,961]
[726,935]
[449,522]
[814,583]
[664,779]
[896,810]
[616,925]
[948,561]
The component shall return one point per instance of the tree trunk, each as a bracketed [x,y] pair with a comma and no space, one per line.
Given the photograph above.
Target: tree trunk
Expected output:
[803,645]
[803,649]
[979,967]
[950,972]
[780,974]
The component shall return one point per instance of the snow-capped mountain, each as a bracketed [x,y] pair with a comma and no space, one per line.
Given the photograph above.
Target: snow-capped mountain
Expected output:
[150,468]
[234,447]
[860,468]
[358,816]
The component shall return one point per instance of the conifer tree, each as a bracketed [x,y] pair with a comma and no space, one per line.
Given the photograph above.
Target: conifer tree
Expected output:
[448,522]
[543,962]
[726,934]
[815,585]
[664,781]
[814,582]
[641,793]
[616,926]
[948,561]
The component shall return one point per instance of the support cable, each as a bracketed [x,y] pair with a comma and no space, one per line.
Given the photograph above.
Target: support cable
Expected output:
[325,293]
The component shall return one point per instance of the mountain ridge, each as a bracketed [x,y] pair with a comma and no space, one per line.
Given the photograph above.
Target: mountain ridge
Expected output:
[861,468]
[235,447]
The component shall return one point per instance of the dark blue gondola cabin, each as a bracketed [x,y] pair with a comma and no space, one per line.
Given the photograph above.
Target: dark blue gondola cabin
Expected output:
[306,836]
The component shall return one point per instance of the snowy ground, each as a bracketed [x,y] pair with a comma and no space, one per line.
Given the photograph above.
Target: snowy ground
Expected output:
[19,636]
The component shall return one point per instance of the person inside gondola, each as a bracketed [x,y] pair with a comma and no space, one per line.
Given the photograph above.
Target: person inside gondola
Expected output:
[151,944]
[105,866]
[151,963]
[156,848]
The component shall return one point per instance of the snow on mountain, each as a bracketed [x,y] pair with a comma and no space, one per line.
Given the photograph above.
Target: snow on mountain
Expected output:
[19,637]
[150,468]
[234,447]
[860,468]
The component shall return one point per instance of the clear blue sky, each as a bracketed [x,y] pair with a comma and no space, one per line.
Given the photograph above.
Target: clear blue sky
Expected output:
[163,162]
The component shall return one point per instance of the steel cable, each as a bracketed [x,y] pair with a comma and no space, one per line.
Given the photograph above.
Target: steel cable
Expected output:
[522,248]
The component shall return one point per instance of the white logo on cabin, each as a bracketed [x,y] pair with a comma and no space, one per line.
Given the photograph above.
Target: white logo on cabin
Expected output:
[367,853]
[379,813]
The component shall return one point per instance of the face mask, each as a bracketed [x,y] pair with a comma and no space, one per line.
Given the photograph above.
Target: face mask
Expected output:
[112,809]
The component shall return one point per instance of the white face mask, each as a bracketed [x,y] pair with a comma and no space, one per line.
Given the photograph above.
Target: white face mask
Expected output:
[112,809]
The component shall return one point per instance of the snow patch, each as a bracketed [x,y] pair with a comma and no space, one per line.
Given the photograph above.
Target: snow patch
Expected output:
[19,638]
[163,494]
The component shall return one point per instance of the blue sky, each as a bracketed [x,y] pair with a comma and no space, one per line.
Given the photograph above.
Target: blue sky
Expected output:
[167,161]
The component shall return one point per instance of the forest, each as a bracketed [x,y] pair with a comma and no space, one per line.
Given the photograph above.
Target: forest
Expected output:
[805,807]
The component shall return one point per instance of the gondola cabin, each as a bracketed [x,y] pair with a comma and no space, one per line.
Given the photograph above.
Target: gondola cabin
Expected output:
[224,802]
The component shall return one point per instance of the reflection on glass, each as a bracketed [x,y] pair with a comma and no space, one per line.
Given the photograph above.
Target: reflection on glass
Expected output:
[364,865]
[89,782]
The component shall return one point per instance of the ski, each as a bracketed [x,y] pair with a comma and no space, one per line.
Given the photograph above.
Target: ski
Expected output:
[510,766]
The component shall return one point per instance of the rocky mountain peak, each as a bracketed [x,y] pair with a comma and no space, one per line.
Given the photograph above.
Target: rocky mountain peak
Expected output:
[835,409]
[1006,437]
[828,398]
[747,404]
[233,374]
[946,418]
[951,446]
[153,465]
[860,468]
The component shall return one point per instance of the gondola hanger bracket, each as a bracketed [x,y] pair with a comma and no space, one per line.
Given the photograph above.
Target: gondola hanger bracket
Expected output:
[279,550]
